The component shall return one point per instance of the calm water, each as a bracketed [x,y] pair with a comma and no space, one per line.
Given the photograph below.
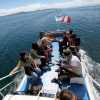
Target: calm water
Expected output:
[17,32]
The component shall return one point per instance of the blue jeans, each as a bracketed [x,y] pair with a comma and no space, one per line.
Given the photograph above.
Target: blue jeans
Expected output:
[38,72]
[35,76]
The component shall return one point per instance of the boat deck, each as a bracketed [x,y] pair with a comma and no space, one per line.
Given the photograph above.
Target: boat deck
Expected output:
[47,74]
[79,90]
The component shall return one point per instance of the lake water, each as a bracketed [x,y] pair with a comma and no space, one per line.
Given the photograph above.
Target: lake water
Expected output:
[18,31]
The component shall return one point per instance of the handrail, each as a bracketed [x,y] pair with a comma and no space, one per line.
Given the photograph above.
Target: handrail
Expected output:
[10,82]
[9,75]
[1,94]
[89,75]
[8,85]
[92,80]
[93,88]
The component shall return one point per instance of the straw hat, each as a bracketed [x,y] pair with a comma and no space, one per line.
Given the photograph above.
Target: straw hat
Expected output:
[67,53]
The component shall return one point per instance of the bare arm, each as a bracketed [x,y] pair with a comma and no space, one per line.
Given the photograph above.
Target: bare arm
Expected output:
[48,49]
[35,64]
[77,47]
[33,51]
[14,70]
[36,55]
[68,42]
[60,40]
[71,69]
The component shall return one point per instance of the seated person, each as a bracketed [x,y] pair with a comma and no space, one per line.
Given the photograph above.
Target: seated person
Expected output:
[46,49]
[73,67]
[64,43]
[70,32]
[42,35]
[72,39]
[76,44]
[30,67]
[74,52]
[47,42]
[36,51]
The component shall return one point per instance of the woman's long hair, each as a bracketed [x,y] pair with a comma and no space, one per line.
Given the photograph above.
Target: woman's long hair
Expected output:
[22,54]
[34,45]
[23,59]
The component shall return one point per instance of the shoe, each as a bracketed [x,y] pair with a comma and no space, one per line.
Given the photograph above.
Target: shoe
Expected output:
[58,64]
[51,55]
[57,70]
[40,77]
[45,67]
[49,62]
[63,77]
[54,80]
[65,62]
[59,61]
[51,46]
[64,86]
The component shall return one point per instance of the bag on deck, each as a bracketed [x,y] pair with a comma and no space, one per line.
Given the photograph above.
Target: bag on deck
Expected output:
[38,61]
[36,88]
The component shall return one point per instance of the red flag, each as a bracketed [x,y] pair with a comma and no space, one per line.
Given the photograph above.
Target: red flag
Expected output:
[63,18]
[68,20]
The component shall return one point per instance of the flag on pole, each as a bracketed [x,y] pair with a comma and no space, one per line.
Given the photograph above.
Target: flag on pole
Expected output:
[63,18]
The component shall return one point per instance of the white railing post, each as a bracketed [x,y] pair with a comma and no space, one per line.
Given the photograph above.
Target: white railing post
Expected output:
[9,83]
[1,94]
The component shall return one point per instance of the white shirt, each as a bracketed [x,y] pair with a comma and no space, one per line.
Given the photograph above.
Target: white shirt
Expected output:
[74,63]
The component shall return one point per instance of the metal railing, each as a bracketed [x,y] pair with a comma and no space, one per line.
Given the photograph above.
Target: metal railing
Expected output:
[91,82]
[10,82]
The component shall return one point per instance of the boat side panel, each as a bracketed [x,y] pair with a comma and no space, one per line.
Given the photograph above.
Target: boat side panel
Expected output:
[24,85]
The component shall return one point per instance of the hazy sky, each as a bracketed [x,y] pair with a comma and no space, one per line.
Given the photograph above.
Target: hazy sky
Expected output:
[6,4]
[14,6]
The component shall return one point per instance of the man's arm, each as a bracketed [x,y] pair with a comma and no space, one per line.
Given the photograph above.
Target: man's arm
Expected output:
[72,69]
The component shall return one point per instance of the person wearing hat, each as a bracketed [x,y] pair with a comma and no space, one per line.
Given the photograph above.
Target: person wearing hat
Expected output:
[30,66]
[73,67]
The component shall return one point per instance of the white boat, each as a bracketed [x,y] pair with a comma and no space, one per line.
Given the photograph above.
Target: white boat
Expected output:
[86,91]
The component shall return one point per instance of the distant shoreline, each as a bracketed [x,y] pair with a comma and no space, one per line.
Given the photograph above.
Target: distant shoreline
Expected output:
[75,7]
